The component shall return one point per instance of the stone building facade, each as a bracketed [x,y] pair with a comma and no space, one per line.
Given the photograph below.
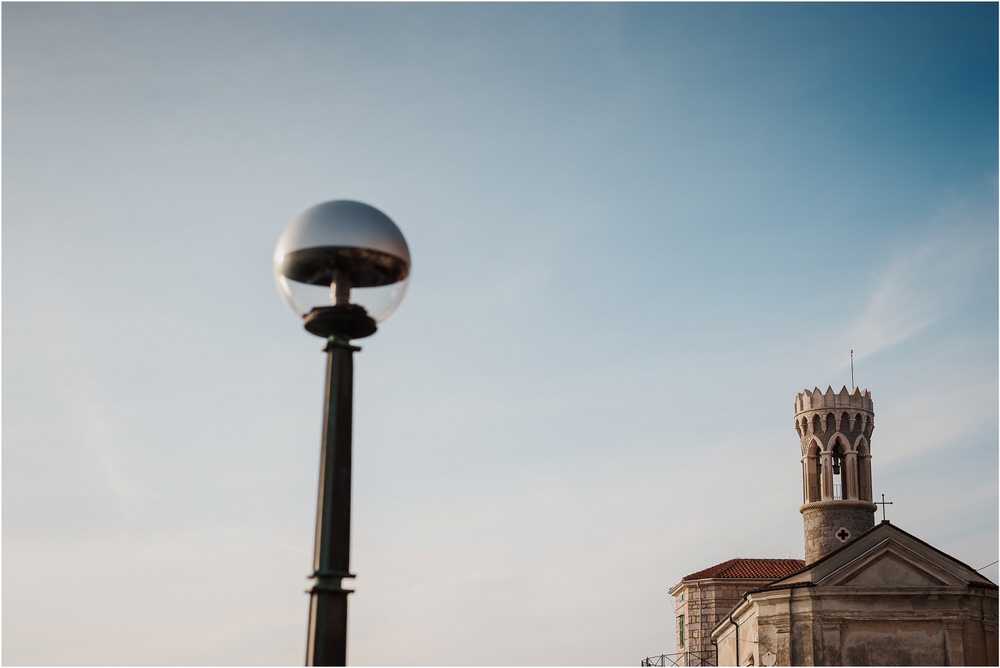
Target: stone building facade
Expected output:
[884,599]
[704,598]
[865,594]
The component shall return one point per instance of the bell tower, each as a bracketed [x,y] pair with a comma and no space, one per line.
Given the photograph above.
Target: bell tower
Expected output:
[835,429]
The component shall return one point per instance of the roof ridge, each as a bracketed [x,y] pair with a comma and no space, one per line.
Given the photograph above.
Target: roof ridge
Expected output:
[756,568]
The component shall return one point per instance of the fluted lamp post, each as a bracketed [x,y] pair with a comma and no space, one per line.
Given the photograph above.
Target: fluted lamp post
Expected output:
[343,267]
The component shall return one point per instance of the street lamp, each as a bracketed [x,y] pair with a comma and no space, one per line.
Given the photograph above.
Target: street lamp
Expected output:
[343,267]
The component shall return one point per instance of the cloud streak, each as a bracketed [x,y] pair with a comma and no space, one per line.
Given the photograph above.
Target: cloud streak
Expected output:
[925,280]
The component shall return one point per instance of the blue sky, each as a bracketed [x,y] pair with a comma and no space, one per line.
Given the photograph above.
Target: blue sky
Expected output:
[637,232]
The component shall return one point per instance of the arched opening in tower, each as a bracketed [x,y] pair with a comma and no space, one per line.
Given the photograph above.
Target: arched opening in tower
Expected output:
[839,465]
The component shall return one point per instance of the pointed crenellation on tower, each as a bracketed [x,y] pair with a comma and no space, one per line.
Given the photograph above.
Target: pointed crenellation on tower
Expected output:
[835,430]
[814,400]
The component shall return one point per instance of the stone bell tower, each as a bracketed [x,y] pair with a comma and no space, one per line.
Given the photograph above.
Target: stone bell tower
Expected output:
[835,430]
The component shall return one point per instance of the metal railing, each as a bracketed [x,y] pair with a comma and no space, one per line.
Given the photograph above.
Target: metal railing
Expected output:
[679,659]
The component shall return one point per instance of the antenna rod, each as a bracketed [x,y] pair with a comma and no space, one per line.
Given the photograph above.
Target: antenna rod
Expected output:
[852,370]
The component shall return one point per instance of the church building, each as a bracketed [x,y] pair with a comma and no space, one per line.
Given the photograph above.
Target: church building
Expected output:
[865,594]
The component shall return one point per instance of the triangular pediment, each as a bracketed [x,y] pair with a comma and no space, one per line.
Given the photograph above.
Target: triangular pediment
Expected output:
[885,556]
[890,570]
[890,564]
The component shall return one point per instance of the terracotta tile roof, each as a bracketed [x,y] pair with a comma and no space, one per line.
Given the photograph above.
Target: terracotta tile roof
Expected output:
[749,568]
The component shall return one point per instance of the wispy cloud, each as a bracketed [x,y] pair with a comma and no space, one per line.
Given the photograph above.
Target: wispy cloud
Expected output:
[926,279]
[99,435]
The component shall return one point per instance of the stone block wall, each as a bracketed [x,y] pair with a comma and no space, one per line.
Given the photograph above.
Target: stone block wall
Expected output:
[704,604]
[827,526]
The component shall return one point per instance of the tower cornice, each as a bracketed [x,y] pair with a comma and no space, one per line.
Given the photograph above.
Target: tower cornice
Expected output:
[840,503]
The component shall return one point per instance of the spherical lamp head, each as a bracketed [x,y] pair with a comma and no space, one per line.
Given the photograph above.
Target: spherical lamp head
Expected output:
[342,258]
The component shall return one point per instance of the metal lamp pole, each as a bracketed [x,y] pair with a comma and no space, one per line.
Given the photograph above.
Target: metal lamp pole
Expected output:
[327,639]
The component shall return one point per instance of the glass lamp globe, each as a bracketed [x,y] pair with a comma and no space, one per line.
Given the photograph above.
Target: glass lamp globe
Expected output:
[342,254]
